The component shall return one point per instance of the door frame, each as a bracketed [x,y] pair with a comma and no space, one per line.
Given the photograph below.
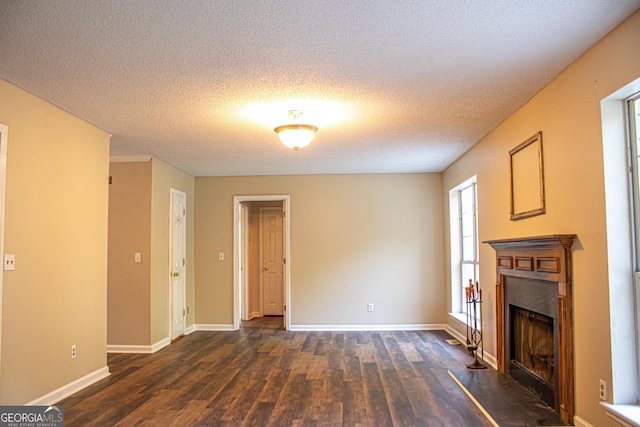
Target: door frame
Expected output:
[243,254]
[172,192]
[3,179]
[286,199]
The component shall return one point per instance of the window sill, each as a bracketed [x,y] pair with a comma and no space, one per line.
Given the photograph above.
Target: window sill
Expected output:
[627,415]
[460,317]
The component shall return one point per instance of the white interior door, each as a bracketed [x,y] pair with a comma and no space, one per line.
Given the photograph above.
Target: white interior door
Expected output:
[178,262]
[243,217]
[272,261]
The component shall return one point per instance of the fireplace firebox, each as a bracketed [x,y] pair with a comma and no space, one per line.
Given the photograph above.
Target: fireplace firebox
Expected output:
[534,316]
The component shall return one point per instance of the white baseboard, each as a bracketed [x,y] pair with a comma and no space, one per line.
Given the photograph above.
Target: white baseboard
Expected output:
[254,314]
[147,349]
[579,422]
[406,327]
[71,388]
[214,327]
[190,329]
[454,333]
[128,349]
[160,344]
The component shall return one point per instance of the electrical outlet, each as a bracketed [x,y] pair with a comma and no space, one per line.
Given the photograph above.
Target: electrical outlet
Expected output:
[370,307]
[603,390]
[73,351]
[9,262]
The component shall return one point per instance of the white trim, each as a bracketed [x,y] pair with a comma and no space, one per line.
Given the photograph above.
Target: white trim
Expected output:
[190,329]
[286,199]
[4,132]
[622,322]
[254,314]
[71,388]
[145,349]
[172,194]
[243,255]
[459,317]
[129,349]
[131,159]
[456,334]
[214,327]
[627,415]
[160,345]
[579,422]
[402,327]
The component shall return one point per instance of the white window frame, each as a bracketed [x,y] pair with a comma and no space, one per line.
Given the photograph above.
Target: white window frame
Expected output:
[632,110]
[458,283]
[622,400]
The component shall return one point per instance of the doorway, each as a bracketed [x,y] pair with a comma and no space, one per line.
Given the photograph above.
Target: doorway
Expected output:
[242,309]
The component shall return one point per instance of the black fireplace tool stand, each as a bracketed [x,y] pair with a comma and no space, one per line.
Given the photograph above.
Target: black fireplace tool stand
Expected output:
[474,318]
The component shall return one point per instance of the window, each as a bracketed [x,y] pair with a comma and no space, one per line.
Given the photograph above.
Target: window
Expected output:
[633,114]
[621,151]
[463,212]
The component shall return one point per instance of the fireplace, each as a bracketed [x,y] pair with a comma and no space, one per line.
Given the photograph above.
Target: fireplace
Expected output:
[534,317]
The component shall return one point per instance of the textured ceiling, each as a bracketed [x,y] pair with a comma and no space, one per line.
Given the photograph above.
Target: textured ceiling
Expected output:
[393,86]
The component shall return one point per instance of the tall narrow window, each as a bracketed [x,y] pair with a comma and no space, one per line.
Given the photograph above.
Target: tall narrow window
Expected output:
[468,239]
[633,113]
[464,241]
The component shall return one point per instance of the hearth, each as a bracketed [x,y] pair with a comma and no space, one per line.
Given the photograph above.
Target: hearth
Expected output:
[534,317]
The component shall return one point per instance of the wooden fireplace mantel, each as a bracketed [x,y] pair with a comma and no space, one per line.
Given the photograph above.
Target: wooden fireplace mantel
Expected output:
[545,258]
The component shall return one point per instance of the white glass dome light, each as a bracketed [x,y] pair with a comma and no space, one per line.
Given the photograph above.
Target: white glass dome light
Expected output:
[296,136]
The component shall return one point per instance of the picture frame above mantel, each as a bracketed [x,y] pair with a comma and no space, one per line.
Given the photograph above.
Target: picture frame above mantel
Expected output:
[526,175]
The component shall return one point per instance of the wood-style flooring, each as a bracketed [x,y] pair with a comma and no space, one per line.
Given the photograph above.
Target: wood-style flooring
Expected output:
[263,375]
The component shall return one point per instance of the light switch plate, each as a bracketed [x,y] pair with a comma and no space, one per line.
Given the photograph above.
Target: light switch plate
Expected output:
[137,257]
[221,256]
[9,262]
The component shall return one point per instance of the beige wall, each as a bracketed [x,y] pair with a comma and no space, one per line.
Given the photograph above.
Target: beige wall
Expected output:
[355,239]
[56,225]
[568,113]
[140,222]
[166,177]
[128,291]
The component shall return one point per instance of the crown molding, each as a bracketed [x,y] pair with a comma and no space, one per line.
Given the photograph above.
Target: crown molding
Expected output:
[131,158]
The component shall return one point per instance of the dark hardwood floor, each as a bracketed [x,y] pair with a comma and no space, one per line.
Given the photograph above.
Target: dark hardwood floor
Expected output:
[263,375]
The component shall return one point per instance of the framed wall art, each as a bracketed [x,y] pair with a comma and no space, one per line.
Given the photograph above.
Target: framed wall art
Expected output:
[526,172]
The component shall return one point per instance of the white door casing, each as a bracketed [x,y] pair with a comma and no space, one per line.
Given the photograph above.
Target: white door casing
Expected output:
[271,261]
[3,167]
[237,301]
[244,259]
[178,236]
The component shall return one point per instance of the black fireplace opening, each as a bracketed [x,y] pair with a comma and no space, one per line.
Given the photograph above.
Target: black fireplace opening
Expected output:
[531,332]
[533,352]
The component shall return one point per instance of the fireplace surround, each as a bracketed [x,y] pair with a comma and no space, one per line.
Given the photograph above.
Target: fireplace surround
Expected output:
[534,286]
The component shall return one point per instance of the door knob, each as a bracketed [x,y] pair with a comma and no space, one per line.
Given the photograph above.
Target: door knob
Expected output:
[176,274]
[266,268]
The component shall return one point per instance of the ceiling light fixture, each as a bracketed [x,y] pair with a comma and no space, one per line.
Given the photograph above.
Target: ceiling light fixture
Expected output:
[295,135]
